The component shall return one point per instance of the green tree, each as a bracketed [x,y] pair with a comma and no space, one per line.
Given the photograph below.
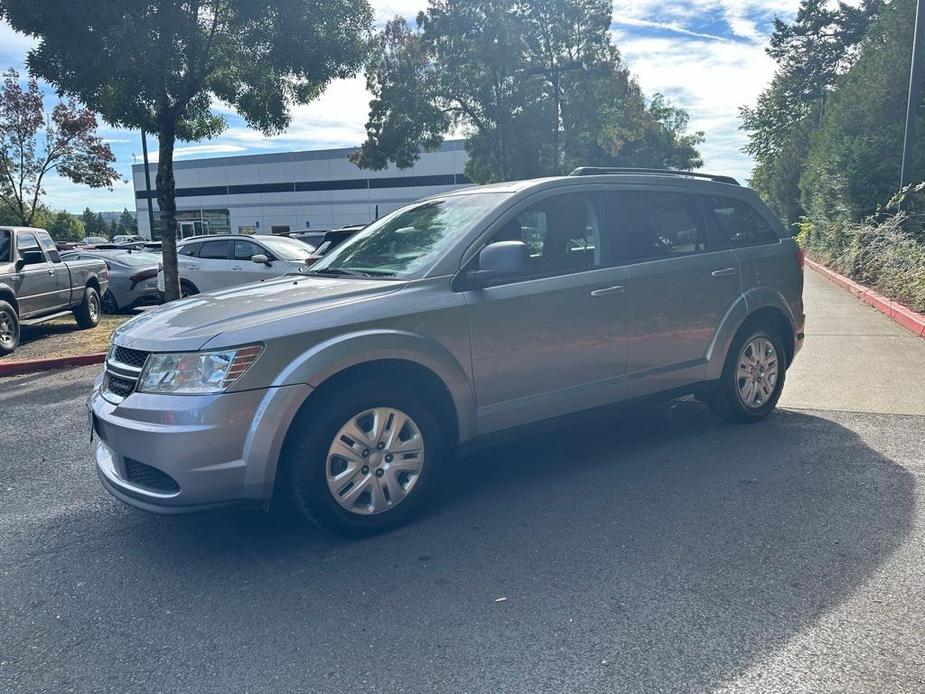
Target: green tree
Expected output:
[820,44]
[33,145]
[93,223]
[488,68]
[159,65]
[65,226]
[854,161]
[126,223]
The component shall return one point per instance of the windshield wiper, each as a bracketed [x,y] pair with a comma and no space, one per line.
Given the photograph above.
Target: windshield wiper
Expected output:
[345,272]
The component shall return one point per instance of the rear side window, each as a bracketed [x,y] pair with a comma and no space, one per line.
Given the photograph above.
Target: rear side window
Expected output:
[648,225]
[51,250]
[214,250]
[6,246]
[738,224]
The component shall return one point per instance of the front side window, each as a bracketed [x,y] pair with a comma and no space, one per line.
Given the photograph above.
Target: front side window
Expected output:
[739,224]
[411,239]
[6,246]
[29,249]
[245,250]
[562,233]
[652,225]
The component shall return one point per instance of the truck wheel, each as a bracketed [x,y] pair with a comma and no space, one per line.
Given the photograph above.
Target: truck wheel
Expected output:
[364,461]
[753,376]
[9,328]
[88,313]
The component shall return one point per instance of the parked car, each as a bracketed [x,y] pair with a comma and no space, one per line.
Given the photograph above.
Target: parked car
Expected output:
[209,263]
[95,240]
[132,277]
[121,239]
[313,238]
[468,313]
[36,285]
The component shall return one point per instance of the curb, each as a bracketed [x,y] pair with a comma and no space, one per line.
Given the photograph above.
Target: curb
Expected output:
[16,368]
[897,312]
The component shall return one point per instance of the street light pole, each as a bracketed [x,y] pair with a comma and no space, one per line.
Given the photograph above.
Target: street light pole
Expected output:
[554,73]
[916,86]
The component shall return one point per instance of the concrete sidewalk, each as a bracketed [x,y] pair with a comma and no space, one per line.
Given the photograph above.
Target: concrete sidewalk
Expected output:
[855,359]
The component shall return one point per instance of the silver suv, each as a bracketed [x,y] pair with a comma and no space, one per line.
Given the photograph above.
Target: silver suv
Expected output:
[347,389]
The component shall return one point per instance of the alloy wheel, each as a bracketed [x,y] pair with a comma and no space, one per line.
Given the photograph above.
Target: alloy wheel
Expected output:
[7,330]
[757,372]
[375,461]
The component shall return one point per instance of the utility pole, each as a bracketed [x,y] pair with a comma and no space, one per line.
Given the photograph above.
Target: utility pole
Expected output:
[916,88]
[144,151]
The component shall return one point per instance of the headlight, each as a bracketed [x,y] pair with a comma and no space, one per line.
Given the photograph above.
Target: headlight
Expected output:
[196,373]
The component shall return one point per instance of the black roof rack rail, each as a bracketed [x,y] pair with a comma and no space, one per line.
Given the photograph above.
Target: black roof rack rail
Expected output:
[604,170]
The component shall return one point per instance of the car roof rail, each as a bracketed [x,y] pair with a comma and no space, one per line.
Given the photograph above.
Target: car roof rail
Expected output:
[607,170]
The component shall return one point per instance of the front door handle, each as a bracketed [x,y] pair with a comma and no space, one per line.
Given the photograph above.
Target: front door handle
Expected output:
[608,291]
[51,272]
[725,272]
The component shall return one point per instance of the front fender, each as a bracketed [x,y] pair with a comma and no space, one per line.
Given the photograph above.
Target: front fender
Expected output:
[329,357]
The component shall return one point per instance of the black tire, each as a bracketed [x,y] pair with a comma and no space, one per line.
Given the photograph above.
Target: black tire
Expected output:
[109,306]
[9,329]
[187,289]
[304,460]
[88,313]
[726,400]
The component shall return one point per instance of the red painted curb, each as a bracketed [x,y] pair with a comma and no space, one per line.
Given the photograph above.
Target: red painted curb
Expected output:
[897,312]
[15,368]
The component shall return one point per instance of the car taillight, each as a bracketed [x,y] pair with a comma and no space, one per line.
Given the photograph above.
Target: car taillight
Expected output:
[801,257]
[142,276]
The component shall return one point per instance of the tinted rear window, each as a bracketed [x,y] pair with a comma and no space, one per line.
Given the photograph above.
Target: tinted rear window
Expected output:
[214,250]
[649,225]
[739,224]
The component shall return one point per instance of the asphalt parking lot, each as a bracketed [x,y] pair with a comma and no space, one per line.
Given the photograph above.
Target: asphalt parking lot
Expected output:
[655,551]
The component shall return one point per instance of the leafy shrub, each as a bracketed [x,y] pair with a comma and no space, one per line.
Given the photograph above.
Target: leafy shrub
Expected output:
[885,252]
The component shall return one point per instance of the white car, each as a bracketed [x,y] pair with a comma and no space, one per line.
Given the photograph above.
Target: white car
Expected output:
[209,263]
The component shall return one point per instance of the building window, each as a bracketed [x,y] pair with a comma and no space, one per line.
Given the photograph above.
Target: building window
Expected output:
[249,230]
[282,229]
[204,222]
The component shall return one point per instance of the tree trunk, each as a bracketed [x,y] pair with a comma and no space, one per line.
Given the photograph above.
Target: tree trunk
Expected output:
[167,202]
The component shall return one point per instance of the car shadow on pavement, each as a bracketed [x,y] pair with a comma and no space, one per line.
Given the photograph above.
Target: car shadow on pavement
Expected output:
[658,550]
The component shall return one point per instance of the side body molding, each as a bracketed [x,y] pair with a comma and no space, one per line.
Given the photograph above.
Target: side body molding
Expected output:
[329,357]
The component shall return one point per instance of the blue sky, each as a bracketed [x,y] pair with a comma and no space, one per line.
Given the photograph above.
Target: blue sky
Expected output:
[707,56]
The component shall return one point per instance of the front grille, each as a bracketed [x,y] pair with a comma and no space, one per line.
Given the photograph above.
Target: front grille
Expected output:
[122,387]
[130,357]
[149,477]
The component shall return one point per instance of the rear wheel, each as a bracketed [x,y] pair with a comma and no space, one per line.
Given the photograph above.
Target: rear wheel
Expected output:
[88,313]
[109,305]
[9,328]
[366,460]
[753,376]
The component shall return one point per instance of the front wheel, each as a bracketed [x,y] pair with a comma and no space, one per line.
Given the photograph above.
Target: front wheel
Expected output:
[365,460]
[9,329]
[88,313]
[753,377]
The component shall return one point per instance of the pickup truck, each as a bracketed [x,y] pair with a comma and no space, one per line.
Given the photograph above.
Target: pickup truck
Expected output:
[36,285]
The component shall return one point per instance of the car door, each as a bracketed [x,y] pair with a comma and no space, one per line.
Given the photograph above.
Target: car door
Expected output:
[34,283]
[245,269]
[552,341]
[681,288]
[211,269]
[58,269]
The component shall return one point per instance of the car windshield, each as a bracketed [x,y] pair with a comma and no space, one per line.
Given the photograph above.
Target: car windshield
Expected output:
[410,239]
[287,249]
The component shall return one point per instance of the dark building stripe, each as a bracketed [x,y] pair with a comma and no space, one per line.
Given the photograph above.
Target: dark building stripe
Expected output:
[309,186]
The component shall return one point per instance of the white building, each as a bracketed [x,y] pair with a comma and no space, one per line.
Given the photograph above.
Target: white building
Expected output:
[294,191]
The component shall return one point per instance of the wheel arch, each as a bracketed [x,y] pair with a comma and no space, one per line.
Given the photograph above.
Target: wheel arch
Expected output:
[9,296]
[762,304]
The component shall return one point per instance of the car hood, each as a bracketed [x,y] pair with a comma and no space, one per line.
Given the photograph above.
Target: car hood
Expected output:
[188,324]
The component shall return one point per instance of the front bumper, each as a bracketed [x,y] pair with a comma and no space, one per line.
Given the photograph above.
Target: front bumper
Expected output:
[205,451]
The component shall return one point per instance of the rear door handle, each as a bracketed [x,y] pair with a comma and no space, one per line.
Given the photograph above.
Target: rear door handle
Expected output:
[725,272]
[51,272]
[608,291]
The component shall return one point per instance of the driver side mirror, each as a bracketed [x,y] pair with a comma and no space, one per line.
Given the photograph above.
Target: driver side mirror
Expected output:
[501,260]
[260,259]
[29,258]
